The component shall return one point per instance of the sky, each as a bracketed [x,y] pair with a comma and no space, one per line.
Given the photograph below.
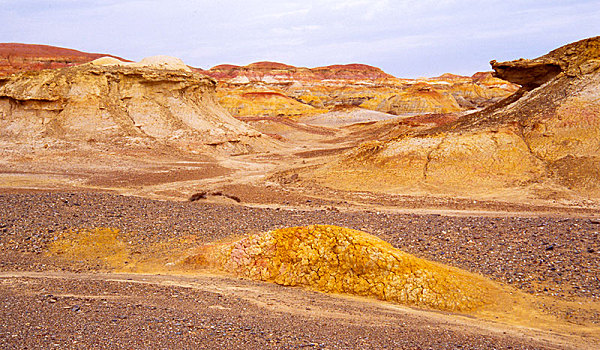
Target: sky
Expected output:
[406,38]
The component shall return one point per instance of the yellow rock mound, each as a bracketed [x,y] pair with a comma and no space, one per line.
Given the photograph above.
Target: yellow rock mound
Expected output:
[341,260]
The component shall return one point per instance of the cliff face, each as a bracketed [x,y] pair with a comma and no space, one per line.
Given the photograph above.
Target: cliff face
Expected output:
[16,57]
[543,142]
[578,58]
[114,103]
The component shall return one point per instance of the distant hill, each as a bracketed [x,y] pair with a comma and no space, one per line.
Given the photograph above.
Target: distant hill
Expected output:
[16,57]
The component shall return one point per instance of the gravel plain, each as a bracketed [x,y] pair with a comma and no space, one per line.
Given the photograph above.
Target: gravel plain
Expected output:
[545,256]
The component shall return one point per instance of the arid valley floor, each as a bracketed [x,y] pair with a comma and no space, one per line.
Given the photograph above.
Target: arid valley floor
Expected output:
[156,205]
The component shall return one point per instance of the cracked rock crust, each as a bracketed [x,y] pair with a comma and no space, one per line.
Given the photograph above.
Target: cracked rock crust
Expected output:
[341,260]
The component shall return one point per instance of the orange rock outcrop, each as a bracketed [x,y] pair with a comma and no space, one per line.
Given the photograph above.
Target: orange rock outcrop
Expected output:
[420,98]
[318,90]
[340,260]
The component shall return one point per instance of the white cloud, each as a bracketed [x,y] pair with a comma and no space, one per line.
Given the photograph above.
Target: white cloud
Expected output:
[404,37]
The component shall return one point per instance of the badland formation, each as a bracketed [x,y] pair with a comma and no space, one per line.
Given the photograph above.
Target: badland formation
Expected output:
[156,203]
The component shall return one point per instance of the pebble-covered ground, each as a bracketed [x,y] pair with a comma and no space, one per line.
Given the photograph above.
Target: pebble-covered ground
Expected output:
[548,256]
[556,256]
[137,312]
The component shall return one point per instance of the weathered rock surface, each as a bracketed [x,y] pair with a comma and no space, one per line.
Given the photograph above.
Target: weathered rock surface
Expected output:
[312,91]
[156,100]
[15,57]
[273,72]
[420,98]
[288,91]
[341,260]
[575,59]
[542,143]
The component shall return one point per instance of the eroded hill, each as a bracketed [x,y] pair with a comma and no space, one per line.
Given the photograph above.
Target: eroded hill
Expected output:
[297,92]
[541,143]
[119,103]
[119,120]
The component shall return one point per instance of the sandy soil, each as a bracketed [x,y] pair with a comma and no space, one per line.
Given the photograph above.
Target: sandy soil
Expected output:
[81,310]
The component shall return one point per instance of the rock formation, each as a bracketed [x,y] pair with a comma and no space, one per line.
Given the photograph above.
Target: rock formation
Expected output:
[420,98]
[259,102]
[340,260]
[313,91]
[293,92]
[16,57]
[579,58]
[155,100]
[542,142]
[275,72]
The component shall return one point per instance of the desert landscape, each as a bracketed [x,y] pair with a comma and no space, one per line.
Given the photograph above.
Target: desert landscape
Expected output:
[152,204]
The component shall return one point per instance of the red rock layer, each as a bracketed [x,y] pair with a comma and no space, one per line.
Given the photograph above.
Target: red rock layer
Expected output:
[15,57]
[280,71]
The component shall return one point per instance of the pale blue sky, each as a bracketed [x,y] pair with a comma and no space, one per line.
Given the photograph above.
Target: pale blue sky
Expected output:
[405,38]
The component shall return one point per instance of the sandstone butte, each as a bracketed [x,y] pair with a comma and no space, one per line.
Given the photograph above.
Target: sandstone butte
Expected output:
[340,260]
[543,142]
[156,101]
[15,57]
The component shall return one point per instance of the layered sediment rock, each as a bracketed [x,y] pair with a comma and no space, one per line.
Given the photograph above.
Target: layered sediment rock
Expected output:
[16,57]
[312,91]
[575,59]
[155,100]
[544,141]
[275,72]
[339,260]
[287,91]
[292,92]
[420,98]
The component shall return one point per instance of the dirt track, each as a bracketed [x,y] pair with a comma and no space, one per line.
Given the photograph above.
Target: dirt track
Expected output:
[69,310]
